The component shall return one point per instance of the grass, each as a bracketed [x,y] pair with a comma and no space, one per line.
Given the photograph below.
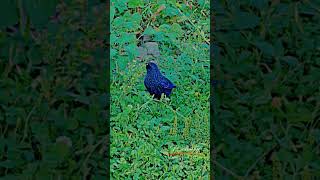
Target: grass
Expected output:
[167,138]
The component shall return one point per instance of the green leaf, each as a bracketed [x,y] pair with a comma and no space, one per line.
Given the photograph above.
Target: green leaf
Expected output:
[135,3]
[285,155]
[132,21]
[122,62]
[132,50]
[149,31]
[245,20]
[35,55]
[165,27]
[127,38]
[81,114]
[201,3]
[121,5]
[170,11]
[290,60]
[265,47]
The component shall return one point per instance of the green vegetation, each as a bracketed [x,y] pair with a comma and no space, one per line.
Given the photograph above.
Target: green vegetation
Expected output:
[267,114]
[53,90]
[145,132]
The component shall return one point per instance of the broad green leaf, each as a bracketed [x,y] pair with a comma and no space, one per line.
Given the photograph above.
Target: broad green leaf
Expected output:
[149,31]
[245,20]
[170,11]
[290,60]
[265,47]
[132,50]
[121,5]
[135,3]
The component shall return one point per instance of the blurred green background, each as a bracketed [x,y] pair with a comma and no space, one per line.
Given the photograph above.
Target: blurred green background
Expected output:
[53,92]
[267,113]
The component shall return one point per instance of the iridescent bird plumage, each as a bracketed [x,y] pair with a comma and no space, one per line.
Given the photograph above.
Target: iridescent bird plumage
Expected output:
[156,83]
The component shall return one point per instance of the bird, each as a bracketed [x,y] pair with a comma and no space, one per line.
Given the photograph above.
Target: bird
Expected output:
[156,83]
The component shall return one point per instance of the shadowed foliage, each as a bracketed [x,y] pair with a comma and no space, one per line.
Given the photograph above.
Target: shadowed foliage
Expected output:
[267,113]
[53,89]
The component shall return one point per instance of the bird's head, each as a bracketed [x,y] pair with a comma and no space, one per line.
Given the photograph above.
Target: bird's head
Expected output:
[152,67]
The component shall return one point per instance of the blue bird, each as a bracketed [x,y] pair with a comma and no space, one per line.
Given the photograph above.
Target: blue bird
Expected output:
[156,83]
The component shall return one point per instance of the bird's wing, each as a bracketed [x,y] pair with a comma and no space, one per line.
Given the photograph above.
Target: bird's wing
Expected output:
[167,84]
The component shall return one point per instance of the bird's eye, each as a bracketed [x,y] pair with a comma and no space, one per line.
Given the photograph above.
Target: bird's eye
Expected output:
[148,66]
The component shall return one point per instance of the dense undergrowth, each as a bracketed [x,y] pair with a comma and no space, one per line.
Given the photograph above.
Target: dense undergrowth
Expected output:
[267,113]
[53,90]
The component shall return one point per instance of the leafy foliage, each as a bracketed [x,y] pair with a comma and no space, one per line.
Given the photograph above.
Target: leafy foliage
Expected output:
[144,131]
[267,112]
[53,90]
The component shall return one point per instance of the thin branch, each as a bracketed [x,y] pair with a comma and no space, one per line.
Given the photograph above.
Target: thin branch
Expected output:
[259,159]
[228,170]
